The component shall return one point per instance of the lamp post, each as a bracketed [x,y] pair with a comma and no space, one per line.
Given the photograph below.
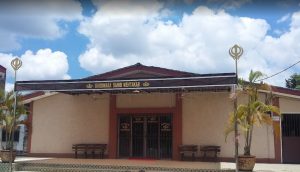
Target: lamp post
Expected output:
[236,52]
[15,64]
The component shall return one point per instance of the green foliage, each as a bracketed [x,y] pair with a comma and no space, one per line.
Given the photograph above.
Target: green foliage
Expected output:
[254,112]
[293,82]
[7,120]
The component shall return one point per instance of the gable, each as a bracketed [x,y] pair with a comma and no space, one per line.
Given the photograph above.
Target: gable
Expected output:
[140,71]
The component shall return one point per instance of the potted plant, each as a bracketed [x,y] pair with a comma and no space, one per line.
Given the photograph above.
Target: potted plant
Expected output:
[9,122]
[253,113]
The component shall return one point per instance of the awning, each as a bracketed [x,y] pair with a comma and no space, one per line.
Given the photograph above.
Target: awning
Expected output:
[217,82]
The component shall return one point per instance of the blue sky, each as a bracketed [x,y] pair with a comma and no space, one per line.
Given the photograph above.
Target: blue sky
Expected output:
[74,39]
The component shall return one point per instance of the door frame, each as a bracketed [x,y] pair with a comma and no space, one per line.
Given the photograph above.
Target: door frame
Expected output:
[176,123]
[145,117]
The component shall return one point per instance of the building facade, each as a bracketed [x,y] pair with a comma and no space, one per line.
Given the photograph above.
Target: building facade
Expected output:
[146,112]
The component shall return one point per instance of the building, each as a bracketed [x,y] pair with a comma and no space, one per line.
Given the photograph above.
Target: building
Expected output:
[144,111]
[2,77]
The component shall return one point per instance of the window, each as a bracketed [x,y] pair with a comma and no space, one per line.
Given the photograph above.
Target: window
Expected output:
[16,135]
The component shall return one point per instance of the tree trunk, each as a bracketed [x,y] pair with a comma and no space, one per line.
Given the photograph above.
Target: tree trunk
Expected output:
[6,141]
[247,144]
[250,140]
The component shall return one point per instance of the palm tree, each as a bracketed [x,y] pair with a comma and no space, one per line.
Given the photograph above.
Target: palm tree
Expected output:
[8,121]
[254,112]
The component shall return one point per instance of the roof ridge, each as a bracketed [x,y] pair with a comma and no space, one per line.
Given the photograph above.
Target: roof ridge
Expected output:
[140,66]
[174,70]
[108,72]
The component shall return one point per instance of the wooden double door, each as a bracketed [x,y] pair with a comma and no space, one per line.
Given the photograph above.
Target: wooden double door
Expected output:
[145,136]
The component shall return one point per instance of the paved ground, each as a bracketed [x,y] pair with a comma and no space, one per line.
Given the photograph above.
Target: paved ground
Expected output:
[259,167]
[126,162]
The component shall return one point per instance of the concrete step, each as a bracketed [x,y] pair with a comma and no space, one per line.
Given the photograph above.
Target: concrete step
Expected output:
[103,168]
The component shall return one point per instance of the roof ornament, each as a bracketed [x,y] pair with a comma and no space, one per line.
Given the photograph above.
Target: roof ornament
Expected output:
[16,64]
[236,52]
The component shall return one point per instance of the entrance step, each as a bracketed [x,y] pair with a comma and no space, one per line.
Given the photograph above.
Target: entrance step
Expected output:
[43,167]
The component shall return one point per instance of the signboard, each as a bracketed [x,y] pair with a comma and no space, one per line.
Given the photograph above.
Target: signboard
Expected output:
[105,85]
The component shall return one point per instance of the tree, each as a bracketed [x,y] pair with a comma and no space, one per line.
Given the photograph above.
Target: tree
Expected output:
[254,112]
[7,120]
[293,82]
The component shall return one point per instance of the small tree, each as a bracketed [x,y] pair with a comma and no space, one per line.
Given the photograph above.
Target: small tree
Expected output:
[254,112]
[7,120]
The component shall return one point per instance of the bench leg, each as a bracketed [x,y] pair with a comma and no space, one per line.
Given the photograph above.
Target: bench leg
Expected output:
[93,154]
[216,156]
[204,155]
[181,156]
[193,156]
[76,154]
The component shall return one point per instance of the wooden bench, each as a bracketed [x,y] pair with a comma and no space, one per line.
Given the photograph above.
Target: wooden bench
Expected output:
[213,150]
[191,149]
[89,149]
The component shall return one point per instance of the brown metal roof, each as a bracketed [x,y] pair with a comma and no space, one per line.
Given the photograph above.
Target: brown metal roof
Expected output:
[136,71]
[217,81]
[135,77]
[288,91]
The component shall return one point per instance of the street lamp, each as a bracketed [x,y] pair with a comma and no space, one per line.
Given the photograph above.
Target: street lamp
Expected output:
[236,52]
[15,64]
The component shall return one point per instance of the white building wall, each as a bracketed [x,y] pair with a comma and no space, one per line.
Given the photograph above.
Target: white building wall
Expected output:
[205,117]
[62,120]
[289,105]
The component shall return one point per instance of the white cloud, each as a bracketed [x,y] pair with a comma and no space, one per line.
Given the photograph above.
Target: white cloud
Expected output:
[34,19]
[295,24]
[199,42]
[278,31]
[95,61]
[44,64]
[284,18]
[120,22]
[9,87]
